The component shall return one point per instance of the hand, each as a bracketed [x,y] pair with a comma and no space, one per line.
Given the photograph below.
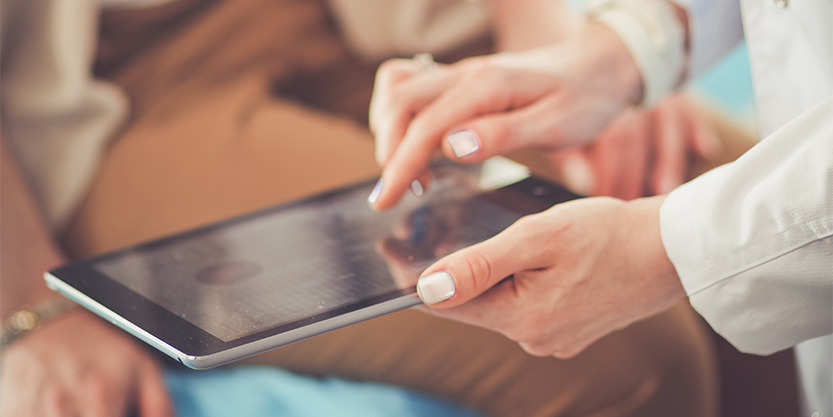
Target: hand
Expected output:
[644,152]
[553,97]
[577,272]
[80,366]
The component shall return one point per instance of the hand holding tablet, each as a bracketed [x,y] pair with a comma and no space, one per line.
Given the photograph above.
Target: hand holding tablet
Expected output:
[229,290]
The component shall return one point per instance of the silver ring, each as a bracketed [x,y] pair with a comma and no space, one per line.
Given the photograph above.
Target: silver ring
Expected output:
[425,62]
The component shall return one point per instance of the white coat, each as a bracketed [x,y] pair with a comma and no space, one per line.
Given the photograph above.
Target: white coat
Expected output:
[752,240]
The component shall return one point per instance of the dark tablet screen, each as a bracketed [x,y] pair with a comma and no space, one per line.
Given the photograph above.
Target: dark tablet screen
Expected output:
[295,261]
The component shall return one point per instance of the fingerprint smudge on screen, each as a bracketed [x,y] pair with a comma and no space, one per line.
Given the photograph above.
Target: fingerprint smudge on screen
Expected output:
[230,272]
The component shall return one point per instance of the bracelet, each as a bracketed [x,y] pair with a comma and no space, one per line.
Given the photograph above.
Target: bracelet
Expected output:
[30,318]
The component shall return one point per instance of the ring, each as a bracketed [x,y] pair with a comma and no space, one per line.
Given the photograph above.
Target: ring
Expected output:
[425,62]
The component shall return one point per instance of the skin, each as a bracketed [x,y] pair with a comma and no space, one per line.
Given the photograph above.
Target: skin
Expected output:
[642,152]
[75,365]
[571,281]
[552,105]
[557,281]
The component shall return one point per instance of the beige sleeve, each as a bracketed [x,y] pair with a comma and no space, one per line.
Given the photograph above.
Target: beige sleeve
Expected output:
[55,116]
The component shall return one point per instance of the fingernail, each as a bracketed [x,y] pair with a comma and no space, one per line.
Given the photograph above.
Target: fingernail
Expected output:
[435,287]
[375,193]
[416,187]
[464,143]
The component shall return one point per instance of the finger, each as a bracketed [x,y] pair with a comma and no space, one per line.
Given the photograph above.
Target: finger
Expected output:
[703,138]
[576,170]
[554,348]
[57,403]
[670,164]
[152,397]
[398,96]
[623,158]
[480,139]
[101,399]
[386,122]
[423,136]
[389,74]
[467,273]
[495,309]
[419,186]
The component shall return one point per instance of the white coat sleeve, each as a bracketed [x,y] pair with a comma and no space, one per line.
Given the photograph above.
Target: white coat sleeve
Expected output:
[752,241]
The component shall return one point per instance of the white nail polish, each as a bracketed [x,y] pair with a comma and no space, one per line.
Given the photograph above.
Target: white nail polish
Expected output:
[464,143]
[416,187]
[375,193]
[435,287]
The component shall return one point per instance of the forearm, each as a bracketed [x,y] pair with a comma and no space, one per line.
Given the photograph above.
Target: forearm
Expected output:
[525,24]
[26,246]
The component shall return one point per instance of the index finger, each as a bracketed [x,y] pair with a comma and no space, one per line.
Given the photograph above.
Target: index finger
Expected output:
[462,102]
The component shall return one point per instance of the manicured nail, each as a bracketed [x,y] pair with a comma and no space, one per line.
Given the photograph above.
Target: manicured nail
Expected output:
[416,187]
[435,287]
[464,143]
[375,193]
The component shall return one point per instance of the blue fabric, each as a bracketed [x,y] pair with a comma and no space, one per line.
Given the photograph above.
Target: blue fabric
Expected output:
[729,82]
[266,391]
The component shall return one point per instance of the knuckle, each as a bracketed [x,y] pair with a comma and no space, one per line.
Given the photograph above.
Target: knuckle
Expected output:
[479,269]
[536,349]
[393,68]
[533,230]
[500,135]
[525,331]
[98,386]
[486,71]
[398,100]
[567,352]
[54,396]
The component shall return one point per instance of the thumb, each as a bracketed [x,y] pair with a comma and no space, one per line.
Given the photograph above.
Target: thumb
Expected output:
[467,273]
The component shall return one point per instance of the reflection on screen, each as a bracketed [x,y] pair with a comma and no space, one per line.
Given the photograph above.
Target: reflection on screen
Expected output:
[303,260]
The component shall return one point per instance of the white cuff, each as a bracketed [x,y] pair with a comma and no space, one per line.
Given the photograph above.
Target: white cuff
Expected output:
[655,38]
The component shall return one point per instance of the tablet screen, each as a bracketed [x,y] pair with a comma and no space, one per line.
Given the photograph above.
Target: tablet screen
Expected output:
[279,266]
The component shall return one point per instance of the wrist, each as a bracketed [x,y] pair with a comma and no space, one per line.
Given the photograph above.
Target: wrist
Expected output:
[655,265]
[609,59]
[32,317]
[656,35]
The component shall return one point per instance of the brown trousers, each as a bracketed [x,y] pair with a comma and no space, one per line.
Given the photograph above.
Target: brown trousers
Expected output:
[222,124]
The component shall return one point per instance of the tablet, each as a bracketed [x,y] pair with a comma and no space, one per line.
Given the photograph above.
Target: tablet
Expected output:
[229,290]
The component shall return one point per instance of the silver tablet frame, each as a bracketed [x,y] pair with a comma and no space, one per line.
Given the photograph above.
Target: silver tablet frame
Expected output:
[239,352]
